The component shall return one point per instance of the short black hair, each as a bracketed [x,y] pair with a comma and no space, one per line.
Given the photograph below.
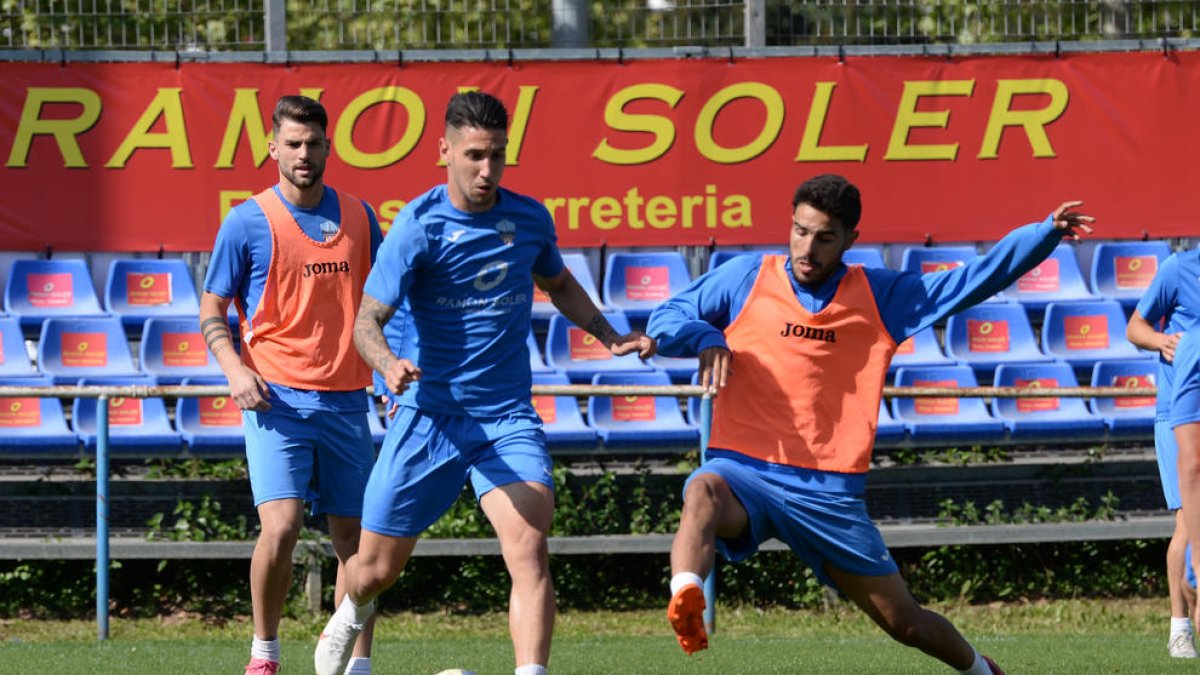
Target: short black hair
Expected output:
[300,109]
[476,109]
[832,195]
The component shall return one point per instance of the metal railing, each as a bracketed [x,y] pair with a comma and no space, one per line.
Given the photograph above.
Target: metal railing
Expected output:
[240,25]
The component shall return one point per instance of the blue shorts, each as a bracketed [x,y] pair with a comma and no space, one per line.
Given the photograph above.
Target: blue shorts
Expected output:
[321,456]
[796,507]
[427,458]
[1167,452]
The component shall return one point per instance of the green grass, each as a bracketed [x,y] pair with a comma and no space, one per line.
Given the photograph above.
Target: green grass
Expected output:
[1119,636]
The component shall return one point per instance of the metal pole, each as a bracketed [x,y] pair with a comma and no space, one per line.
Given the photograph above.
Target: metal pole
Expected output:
[710,583]
[102,517]
[756,23]
[572,24]
[275,25]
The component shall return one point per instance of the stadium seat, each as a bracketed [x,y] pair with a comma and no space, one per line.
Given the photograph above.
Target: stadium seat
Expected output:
[926,259]
[14,359]
[1057,279]
[1127,416]
[70,349]
[572,350]
[722,256]
[6,262]
[639,421]
[209,425]
[944,419]
[889,429]
[41,289]
[1122,271]
[1082,333]
[1037,419]
[135,426]
[988,335]
[141,288]
[921,349]
[680,370]
[636,283]
[536,363]
[30,425]
[172,349]
[543,309]
[865,255]
[561,419]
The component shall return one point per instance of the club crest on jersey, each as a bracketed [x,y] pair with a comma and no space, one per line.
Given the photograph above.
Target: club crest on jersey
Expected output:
[507,230]
[799,330]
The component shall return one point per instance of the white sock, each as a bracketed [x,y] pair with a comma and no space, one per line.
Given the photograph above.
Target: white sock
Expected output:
[357,614]
[265,649]
[683,579]
[530,669]
[980,667]
[359,665]
[1180,625]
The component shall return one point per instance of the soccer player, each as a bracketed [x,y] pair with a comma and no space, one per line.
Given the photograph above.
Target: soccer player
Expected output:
[465,255]
[1173,301]
[799,347]
[293,260]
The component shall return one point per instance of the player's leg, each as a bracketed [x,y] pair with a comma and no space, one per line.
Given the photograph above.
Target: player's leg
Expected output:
[344,535]
[1180,643]
[271,563]
[710,510]
[521,515]
[888,602]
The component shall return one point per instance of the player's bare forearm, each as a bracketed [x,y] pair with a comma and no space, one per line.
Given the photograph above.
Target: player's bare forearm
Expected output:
[214,329]
[368,333]
[569,298]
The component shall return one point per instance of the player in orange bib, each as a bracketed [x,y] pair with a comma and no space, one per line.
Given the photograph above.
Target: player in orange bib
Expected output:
[798,347]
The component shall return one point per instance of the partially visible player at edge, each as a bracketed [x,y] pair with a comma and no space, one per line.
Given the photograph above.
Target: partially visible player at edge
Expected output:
[293,260]
[799,347]
[465,255]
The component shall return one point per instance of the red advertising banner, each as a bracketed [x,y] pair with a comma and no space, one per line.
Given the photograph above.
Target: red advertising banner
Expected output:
[138,156]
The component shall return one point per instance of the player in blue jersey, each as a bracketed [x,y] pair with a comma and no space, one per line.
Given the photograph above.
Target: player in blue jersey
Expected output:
[1172,301]
[465,255]
[293,259]
[793,429]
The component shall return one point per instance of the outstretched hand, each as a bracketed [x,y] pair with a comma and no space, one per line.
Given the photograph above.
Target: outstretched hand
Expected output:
[400,374]
[1071,221]
[636,341]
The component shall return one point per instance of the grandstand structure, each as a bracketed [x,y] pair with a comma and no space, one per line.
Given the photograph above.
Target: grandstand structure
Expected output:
[126,318]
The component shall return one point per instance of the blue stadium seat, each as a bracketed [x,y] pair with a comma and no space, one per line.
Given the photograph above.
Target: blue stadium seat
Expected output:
[41,289]
[1082,333]
[561,419]
[1057,279]
[14,359]
[572,350]
[1122,271]
[210,425]
[889,429]
[543,309]
[944,419]
[636,283]
[680,370]
[921,349]
[135,426]
[1128,416]
[988,335]
[865,255]
[70,349]
[173,348]
[722,256]
[1037,419]
[142,288]
[639,421]
[6,262]
[536,363]
[30,425]
[926,259]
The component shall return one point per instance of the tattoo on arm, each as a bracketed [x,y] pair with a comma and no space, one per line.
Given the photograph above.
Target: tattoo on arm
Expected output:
[216,334]
[602,329]
[368,333]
